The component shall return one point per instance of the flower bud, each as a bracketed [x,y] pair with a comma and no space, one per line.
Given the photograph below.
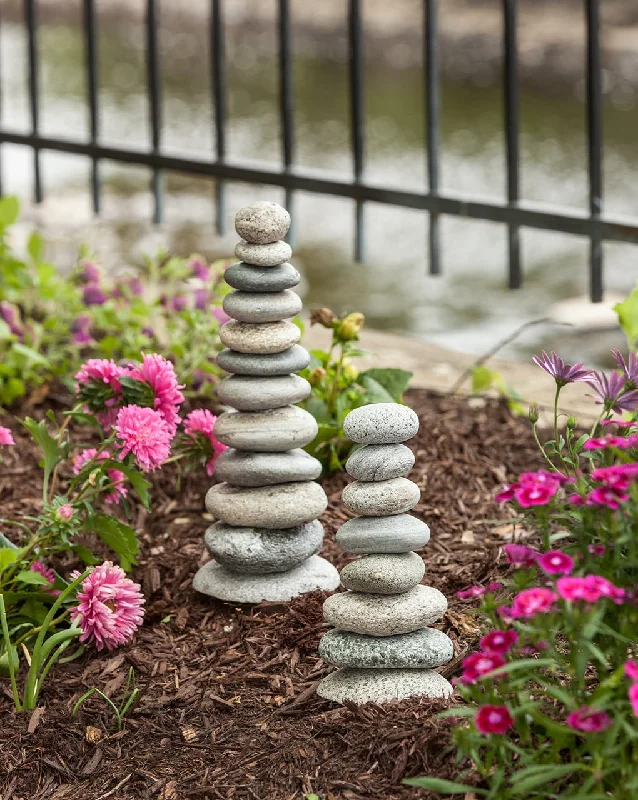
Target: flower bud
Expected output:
[64,513]
[323,316]
[350,372]
[316,376]
[347,329]
[533,413]
[571,423]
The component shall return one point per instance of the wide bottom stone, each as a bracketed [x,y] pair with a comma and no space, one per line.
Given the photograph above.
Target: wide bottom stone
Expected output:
[216,581]
[421,649]
[382,686]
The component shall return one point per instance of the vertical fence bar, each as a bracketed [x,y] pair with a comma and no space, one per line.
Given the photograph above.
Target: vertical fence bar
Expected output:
[357,117]
[594,147]
[1,109]
[512,133]
[286,99]
[31,14]
[218,69]
[432,110]
[154,98]
[91,56]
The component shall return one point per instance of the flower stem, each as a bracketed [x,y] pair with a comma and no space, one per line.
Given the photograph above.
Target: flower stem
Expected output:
[9,651]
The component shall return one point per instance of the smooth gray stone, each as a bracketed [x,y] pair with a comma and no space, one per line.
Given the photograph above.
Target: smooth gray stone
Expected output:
[216,581]
[382,686]
[263,255]
[264,469]
[380,462]
[385,615]
[381,499]
[269,431]
[421,649]
[262,306]
[381,423]
[396,534]
[387,573]
[281,505]
[258,394]
[262,222]
[260,551]
[294,359]
[247,278]
[264,338]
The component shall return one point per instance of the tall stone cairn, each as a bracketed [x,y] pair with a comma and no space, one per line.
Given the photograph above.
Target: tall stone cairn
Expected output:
[264,544]
[381,642]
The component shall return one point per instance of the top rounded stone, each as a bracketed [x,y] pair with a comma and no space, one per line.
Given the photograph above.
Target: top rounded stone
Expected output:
[262,223]
[381,423]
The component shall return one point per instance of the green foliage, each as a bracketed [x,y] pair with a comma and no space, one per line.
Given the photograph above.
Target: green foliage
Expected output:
[129,698]
[627,312]
[484,379]
[117,535]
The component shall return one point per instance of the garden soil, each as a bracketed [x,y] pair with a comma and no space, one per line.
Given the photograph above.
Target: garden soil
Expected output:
[228,707]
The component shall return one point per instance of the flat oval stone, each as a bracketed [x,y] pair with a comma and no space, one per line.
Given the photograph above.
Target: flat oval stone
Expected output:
[294,359]
[263,255]
[264,469]
[361,686]
[383,574]
[385,615]
[420,649]
[380,462]
[262,222]
[266,431]
[215,580]
[262,306]
[282,505]
[396,534]
[258,394]
[262,279]
[381,423]
[260,552]
[381,499]
[269,337]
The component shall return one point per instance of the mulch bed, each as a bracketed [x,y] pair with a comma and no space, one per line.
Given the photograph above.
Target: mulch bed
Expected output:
[228,708]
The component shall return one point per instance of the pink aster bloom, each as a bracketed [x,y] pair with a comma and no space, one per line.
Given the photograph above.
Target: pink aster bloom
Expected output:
[493,719]
[116,476]
[520,556]
[631,669]
[633,698]
[110,607]
[588,720]
[607,496]
[533,601]
[610,392]
[477,665]
[198,426]
[555,562]
[499,641]
[561,372]
[65,512]
[145,433]
[100,371]
[6,437]
[535,494]
[43,570]
[629,367]
[159,374]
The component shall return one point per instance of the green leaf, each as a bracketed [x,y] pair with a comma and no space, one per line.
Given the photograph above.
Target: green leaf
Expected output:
[138,481]
[32,356]
[394,381]
[85,554]
[627,312]
[87,419]
[531,777]
[319,409]
[35,246]
[34,610]
[121,538]
[483,378]
[442,786]
[51,452]
[375,392]
[4,661]
[31,577]
[8,555]
[9,210]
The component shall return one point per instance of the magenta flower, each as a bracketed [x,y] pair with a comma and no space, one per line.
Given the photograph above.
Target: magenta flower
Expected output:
[610,392]
[555,562]
[507,493]
[6,437]
[607,496]
[9,314]
[93,295]
[179,302]
[633,698]
[116,476]
[543,477]
[201,299]
[148,332]
[535,494]
[145,433]
[80,328]
[493,719]
[220,315]
[198,426]
[618,476]
[43,570]
[64,512]
[158,373]
[533,649]
[199,269]
[603,442]
[110,607]
[479,591]
[588,589]
[477,665]
[90,273]
[533,601]
[596,550]
[100,373]
[588,720]
[631,669]
[620,423]
[629,367]
[131,285]
[520,556]
[499,641]
[561,372]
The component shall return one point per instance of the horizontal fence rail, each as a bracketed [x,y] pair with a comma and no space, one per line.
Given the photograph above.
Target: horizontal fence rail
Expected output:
[513,213]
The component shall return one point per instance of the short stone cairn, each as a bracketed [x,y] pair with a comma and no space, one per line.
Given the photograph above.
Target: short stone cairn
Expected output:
[265,543]
[380,643]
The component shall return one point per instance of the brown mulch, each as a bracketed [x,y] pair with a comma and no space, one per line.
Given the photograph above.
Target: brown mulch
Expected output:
[228,708]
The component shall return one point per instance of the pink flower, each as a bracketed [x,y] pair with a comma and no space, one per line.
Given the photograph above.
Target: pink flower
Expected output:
[618,476]
[6,437]
[65,512]
[607,496]
[98,384]
[596,550]
[477,665]
[499,641]
[534,601]
[631,669]
[479,591]
[507,614]
[576,500]
[520,556]
[179,302]
[588,720]
[556,562]
[81,329]
[620,423]
[533,649]
[93,295]
[116,476]
[561,372]
[535,494]
[220,315]
[633,698]
[43,570]
[507,493]
[110,607]
[199,269]
[146,434]
[198,426]
[90,273]
[158,373]
[493,719]
[542,476]
[610,390]
[588,589]
[201,299]
[602,443]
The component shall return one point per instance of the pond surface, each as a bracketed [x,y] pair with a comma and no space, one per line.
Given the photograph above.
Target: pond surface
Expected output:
[468,308]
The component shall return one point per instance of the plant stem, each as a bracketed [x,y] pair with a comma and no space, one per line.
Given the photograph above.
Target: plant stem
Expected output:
[9,651]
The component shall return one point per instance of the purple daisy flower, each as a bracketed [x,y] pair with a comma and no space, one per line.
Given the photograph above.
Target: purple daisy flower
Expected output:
[561,372]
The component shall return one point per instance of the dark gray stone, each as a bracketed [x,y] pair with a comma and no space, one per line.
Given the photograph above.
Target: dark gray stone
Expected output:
[261,551]
[381,499]
[294,359]
[381,423]
[269,431]
[420,649]
[262,306]
[387,573]
[282,505]
[382,686]
[247,278]
[380,462]
[396,534]
[258,394]
[262,222]
[264,469]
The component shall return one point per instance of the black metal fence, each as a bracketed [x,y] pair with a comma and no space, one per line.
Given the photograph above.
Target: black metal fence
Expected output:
[513,213]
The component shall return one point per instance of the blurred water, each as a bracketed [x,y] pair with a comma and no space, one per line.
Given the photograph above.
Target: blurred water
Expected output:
[469,307]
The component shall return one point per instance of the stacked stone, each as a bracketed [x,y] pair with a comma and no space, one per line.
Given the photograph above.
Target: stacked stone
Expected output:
[380,643]
[265,542]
